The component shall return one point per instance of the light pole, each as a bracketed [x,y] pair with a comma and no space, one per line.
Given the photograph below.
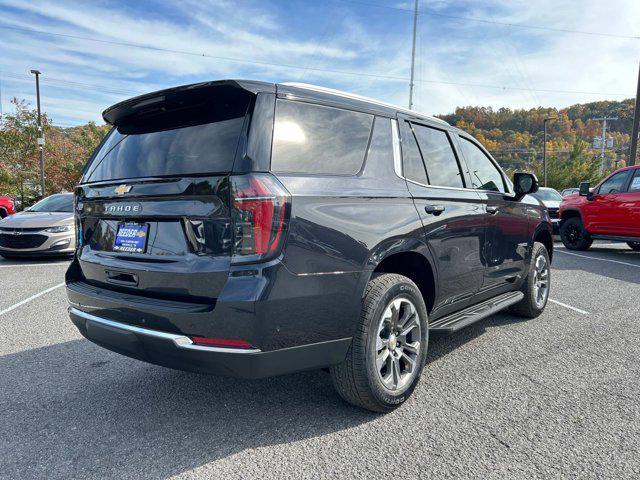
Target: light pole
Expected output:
[40,133]
[544,148]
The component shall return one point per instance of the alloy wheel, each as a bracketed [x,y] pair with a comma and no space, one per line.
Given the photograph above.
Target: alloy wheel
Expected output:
[573,235]
[398,344]
[541,281]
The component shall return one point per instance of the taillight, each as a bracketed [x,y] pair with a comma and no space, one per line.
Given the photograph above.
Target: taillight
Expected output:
[259,208]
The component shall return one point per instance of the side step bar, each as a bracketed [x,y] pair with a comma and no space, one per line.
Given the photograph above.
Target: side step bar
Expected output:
[472,314]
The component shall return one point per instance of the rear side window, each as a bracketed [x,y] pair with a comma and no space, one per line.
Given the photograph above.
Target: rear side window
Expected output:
[484,174]
[412,166]
[442,165]
[197,139]
[318,140]
[635,182]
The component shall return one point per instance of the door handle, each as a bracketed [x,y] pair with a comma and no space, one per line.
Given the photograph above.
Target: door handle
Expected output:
[434,209]
[492,209]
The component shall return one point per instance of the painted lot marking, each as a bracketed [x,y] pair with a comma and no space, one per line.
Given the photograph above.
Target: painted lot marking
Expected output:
[599,259]
[33,265]
[583,312]
[32,297]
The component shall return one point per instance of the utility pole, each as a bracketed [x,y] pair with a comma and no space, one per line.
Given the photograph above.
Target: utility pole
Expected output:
[40,133]
[413,54]
[544,148]
[634,132]
[604,121]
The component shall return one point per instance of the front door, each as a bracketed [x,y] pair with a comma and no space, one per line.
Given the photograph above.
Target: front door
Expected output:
[508,239]
[452,215]
[605,214]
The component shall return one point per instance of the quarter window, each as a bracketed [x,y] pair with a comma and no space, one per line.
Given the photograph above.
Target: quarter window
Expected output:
[319,140]
[614,184]
[484,174]
[441,163]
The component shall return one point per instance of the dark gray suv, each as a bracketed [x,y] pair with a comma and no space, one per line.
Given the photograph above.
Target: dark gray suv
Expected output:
[253,229]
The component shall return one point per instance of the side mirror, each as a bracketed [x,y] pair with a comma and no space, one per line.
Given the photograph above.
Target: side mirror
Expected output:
[524,183]
[585,190]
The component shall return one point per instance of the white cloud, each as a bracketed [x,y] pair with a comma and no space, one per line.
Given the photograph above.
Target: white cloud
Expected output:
[346,39]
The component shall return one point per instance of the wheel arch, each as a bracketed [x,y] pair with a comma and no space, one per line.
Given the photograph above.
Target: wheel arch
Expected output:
[571,213]
[544,236]
[408,257]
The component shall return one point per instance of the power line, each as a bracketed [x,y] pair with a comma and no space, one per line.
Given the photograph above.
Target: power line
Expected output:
[297,67]
[431,12]
[70,84]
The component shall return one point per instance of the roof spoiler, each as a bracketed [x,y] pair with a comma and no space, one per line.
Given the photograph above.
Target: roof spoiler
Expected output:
[119,112]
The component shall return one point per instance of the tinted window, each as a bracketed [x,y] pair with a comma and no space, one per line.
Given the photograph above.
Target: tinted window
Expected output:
[54,203]
[442,165]
[635,182]
[412,166]
[615,183]
[201,138]
[380,149]
[317,139]
[484,174]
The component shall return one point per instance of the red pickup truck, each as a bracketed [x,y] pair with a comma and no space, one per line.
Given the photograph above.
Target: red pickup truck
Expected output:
[6,207]
[610,211]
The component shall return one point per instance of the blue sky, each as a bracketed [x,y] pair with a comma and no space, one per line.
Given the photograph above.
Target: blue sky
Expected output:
[359,46]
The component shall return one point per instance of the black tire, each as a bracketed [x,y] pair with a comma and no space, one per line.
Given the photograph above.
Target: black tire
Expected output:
[358,379]
[530,306]
[573,234]
[635,246]
[3,213]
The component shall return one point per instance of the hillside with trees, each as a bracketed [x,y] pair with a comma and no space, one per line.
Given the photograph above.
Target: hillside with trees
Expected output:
[514,137]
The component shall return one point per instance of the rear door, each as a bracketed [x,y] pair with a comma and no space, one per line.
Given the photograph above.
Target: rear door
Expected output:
[631,206]
[451,214]
[153,206]
[507,220]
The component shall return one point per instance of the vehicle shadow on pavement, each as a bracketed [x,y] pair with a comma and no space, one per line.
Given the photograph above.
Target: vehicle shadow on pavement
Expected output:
[625,273]
[74,410]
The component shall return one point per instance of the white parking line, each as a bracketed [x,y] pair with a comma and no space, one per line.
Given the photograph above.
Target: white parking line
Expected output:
[32,297]
[583,312]
[599,259]
[33,264]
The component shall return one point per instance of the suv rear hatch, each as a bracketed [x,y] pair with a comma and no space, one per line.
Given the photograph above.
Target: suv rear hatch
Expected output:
[153,207]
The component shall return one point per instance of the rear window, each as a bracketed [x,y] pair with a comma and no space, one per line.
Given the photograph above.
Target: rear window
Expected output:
[197,138]
[319,140]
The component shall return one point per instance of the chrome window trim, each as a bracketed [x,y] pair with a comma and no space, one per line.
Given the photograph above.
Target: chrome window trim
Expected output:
[397,154]
[507,194]
[180,341]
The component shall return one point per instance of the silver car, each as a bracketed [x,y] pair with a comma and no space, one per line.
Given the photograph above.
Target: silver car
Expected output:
[45,229]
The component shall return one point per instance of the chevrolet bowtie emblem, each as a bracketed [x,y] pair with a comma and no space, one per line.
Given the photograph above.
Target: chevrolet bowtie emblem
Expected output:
[122,189]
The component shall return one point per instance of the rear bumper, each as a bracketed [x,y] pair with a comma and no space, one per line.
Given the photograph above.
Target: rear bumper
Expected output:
[178,351]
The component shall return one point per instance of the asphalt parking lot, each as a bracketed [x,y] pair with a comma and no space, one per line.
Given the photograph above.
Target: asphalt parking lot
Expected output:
[554,397]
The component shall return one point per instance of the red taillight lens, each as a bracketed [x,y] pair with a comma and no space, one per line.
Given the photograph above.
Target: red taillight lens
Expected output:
[220,342]
[260,207]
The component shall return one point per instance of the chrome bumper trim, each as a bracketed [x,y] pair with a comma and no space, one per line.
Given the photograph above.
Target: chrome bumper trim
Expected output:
[180,341]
